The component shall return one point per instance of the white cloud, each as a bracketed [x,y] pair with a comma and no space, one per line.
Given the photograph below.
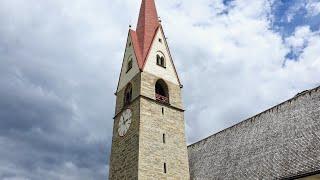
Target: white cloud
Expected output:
[313,7]
[300,36]
[232,65]
[70,52]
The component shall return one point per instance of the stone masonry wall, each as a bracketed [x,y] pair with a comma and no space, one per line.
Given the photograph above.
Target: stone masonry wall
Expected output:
[124,151]
[153,153]
[141,153]
[135,82]
[281,142]
[148,82]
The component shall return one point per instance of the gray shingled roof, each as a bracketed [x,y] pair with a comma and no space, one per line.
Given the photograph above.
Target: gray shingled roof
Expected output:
[281,142]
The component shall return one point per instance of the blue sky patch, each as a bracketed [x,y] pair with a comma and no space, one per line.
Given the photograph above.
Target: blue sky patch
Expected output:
[295,53]
[227,2]
[289,14]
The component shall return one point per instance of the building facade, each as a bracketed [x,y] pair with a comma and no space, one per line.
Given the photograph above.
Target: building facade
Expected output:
[280,143]
[149,129]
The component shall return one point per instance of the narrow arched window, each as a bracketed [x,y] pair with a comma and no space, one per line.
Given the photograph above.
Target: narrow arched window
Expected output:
[129,65]
[128,94]
[161,60]
[158,59]
[162,93]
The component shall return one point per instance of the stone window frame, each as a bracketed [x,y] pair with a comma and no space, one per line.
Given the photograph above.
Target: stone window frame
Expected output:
[160,59]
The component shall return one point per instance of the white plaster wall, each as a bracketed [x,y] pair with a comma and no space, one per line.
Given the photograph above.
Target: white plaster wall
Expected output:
[151,66]
[125,76]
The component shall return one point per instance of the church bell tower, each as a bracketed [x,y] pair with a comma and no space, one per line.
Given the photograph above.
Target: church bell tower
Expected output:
[149,129]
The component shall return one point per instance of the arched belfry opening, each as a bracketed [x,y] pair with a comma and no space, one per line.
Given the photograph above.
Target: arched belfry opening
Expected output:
[162,92]
[128,94]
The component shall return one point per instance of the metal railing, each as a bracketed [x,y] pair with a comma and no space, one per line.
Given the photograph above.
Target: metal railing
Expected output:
[162,99]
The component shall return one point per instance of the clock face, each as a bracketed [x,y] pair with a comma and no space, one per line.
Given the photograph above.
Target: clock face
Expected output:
[125,122]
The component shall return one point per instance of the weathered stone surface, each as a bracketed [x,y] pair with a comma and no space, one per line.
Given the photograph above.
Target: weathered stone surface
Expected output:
[153,153]
[148,82]
[136,87]
[141,153]
[125,151]
[283,141]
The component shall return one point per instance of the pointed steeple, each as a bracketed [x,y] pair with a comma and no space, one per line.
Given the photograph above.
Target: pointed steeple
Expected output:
[147,25]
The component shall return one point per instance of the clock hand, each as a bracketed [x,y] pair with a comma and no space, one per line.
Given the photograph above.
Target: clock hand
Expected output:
[127,120]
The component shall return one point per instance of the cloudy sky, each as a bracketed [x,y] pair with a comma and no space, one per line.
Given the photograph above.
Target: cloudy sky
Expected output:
[60,61]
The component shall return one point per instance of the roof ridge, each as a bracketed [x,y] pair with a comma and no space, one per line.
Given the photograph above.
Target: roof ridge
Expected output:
[259,114]
[147,25]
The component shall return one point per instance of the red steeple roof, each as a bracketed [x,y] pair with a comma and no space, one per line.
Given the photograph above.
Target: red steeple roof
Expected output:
[147,26]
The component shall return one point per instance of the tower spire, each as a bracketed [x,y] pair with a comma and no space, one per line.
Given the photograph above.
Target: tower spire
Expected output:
[147,25]
[148,83]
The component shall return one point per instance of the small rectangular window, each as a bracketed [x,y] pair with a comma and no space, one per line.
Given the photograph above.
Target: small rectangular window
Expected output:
[162,111]
[164,138]
[165,168]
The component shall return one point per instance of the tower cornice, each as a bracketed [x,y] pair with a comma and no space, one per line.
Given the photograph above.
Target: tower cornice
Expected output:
[148,98]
